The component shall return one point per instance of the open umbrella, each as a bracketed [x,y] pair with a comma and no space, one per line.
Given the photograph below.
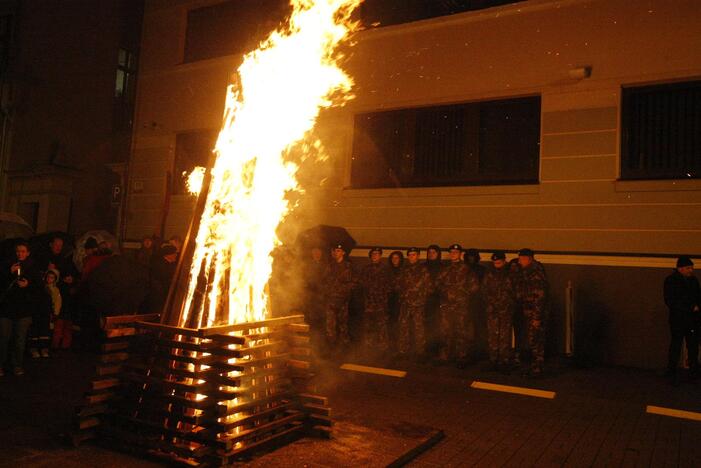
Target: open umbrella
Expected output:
[325,237]
[13,226]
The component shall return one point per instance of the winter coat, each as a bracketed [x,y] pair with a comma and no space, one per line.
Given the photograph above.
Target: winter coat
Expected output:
[17,302]
[682,294]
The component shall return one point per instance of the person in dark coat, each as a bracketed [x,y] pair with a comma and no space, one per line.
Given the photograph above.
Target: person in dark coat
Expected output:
[339,282]
[434,264]
[377,284]
[20,296]
[395,262]
[682,296]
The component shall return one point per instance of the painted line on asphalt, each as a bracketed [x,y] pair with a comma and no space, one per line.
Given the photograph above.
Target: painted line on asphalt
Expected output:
[674,413]
[374,370]
[517,390]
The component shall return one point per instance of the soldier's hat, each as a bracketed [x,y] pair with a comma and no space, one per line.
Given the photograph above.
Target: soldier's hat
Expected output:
[498,255]
[413,249]
[339,246]
[684,261]
[455,247]
[435,247]
[525,253]
[375,249]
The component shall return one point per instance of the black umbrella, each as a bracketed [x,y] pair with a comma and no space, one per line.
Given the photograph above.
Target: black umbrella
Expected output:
[325,237]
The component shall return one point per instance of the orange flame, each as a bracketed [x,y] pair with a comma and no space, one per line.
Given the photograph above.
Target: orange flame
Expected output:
[282,87]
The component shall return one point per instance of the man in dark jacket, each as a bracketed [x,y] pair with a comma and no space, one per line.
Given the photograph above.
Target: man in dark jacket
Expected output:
[414,285]
[339,281]
[20,295]
[376,281]
[683,298]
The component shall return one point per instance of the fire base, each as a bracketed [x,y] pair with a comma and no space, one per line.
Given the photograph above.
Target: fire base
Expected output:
[214,395]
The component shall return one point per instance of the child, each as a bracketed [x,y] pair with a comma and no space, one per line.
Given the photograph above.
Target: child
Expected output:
[42,320]
[61,326]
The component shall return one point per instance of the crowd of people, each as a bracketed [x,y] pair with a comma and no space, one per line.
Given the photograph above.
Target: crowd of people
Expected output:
[47,292]
[428,309]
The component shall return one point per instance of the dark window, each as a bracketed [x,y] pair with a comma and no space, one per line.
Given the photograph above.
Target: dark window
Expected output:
[5,41]
[661,132]
[231,27]
[124,90]
[389,12]
[494,142]
[192,149]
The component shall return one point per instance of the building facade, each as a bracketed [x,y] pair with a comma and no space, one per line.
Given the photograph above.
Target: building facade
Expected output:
[67,85]
[570,127]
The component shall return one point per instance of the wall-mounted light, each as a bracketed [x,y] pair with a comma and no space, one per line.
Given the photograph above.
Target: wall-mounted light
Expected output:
[579,73]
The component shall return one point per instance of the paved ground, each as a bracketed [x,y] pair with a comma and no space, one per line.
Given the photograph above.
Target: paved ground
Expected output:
[597,418]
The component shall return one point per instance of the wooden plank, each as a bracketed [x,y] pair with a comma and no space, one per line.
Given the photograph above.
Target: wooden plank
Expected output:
[373,370]
[114,332]
[116,346]
[99,397]
[108,369]
[534,392]
[298,327]
[104,383]
[231,457]
[91,410]
[110,322]
[313,399]
[674,413]
[260,431]
[113,357]
[274,322]
[298,364]
[317,409]
[87,423]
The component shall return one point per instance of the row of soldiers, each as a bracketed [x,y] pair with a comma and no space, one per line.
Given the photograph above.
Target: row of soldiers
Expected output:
[514,293]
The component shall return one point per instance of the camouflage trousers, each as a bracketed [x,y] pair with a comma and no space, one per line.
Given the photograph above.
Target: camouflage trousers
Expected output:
[535,323]
[457,331]
[411,318]
[376,327]
[337,323]
[499,322]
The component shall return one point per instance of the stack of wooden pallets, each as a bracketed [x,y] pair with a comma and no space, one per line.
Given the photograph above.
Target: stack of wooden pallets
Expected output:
[213,395]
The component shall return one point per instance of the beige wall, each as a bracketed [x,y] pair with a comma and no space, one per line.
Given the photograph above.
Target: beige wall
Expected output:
[521,49]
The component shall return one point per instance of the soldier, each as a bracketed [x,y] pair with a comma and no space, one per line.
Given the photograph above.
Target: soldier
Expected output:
[314,269]
[338,286]
[456,284]
[434,265]
[531,294]
[395,263]
[377,284]
[498,292]
[476,305]
[414,285]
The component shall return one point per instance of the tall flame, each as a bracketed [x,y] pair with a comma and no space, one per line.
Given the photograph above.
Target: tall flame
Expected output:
[281,88]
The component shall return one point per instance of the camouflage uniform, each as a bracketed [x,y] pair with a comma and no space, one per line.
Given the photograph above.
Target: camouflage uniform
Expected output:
[499,294]
[338,286]
[377,284]
[456,284]
[314,296]
[414,285]
[531,292]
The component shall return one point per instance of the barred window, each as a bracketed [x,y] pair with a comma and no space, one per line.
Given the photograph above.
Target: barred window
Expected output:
[661,131]
[389,12]
[494,142]
[231,27]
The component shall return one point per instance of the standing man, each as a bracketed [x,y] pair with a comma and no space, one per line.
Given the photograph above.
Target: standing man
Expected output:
[499,296]
[414,285]
[377,285]
[338,286]
[434,265]
[314,269]
[20,297]
[456,284]
[531,294]
[683,298]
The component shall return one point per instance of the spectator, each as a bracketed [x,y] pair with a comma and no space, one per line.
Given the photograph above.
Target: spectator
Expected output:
[20,297]
[95,254]
[145,253]
[682,296]
[62,325]
[177,242]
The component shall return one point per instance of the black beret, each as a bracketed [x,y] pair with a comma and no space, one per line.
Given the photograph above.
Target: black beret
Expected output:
[338,246]
[525,253]
[455,247]
[498,255]
[435,247]
[375,249]
[684,261]
[90,243]
[412,249]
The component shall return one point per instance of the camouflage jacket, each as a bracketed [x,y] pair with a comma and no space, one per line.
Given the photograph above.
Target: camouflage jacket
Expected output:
[414,284]
[498,287]
[339,281]
[377,284]
[456,283]
[532,286]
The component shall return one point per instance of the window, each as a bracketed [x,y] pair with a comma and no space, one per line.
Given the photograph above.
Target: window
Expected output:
[124,90]
[661,132]
[495,142]
[231,27]
[192,149]
[389,12]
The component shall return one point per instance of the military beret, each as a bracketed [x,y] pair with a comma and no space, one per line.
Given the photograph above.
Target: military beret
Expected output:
[525,253]
[684,261]
[375,249]
[412,249]
[338,246]
[455,247]
[498,255]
